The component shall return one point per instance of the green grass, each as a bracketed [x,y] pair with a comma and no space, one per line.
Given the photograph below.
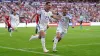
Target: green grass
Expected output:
[77,42]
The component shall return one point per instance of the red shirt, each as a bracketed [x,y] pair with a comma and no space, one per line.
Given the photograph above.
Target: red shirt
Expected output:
[8,23]
[37,19]
[7,19]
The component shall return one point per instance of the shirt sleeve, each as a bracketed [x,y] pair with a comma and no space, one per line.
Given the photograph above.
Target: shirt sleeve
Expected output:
[51,14]
[39,11]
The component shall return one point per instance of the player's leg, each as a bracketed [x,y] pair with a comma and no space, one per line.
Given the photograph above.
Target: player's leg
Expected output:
[42,37]
[36,36]
[81,24]
[26,23]
[56,41]
[62,35]
[10,30]
[47,26]
[36,33]
[16,25]
[58,36]
[46,29]
[13,25]
[73,23]
[36,30]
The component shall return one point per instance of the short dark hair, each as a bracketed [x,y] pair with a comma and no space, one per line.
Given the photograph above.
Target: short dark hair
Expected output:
[47,3]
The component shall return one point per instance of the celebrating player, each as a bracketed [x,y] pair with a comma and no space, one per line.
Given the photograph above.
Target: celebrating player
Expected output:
[7,22]
[81,18]
[14,20]
[63,25]
[46,15]
[37,22]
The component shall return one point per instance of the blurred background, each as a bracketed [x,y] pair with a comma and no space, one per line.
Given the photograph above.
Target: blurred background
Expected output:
[26,8]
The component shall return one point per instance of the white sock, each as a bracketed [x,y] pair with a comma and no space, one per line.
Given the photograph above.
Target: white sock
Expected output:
[55,43]
[11,32]
[43,43]
[35,37]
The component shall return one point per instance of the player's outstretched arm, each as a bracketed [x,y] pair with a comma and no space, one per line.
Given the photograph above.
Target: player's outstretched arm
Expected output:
[57,17]
[34,16]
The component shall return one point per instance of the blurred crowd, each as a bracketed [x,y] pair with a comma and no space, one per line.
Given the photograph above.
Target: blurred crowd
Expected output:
[25,10]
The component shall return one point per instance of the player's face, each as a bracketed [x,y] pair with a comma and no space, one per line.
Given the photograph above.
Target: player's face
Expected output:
[14,12]
[55,11]
[48,6]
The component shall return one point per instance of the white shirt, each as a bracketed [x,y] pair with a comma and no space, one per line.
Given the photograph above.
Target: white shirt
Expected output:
[14,18]
[44,17]
[64,21]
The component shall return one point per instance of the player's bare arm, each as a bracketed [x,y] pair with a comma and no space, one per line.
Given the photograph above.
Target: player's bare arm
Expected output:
[57,17]
[34,16]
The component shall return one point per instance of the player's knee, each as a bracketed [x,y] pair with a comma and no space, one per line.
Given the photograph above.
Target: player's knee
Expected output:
[42,33]
[36,31]
[58,37]
[9,29]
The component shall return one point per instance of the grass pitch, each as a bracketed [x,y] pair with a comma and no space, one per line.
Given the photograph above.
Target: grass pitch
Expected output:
[77,42]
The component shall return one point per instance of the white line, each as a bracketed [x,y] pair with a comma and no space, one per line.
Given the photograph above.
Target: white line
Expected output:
[25,49]
[32,48]
[67,45]
[28,51]
[81,44]
[85,44]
